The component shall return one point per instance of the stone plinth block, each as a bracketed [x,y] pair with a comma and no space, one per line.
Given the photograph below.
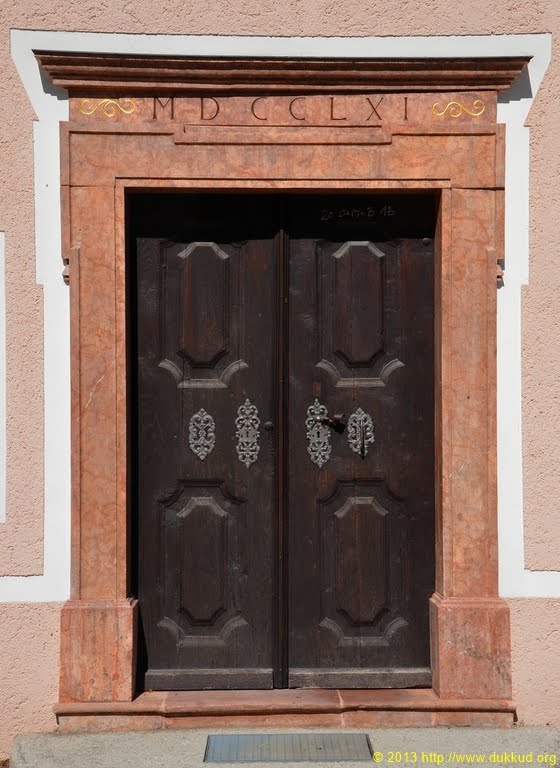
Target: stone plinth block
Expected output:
[97,644]
[470,644]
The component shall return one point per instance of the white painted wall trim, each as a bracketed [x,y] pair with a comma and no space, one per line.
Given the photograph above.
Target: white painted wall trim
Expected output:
[54,584]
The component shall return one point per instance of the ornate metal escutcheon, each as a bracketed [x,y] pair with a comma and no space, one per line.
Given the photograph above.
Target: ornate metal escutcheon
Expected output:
[247,433]
[360,432]
[202,434]
[318,433]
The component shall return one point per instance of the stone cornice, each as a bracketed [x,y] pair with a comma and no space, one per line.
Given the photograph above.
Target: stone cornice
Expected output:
[89,74]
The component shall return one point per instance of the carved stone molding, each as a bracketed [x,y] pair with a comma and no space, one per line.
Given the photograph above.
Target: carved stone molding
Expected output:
[89,74]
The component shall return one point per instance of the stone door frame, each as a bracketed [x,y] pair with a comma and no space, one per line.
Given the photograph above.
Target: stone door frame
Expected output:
[439,133]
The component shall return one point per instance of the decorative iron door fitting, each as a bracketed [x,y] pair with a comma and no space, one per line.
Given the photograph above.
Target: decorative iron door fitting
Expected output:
[360,432]
[318,433]
[247,433]
[202,434]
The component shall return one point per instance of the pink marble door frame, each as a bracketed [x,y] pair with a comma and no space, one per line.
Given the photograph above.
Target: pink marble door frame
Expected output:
[461,162]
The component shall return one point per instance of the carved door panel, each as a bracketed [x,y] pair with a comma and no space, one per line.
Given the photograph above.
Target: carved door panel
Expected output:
[206,466]
[361,501]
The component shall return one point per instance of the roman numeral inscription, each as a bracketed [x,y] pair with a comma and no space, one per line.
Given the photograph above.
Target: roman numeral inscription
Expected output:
[341,110]
[338,110]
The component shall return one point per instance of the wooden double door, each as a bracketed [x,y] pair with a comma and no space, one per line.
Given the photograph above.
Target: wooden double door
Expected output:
[284,439]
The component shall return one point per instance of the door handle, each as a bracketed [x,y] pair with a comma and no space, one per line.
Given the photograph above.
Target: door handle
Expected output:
[336,423]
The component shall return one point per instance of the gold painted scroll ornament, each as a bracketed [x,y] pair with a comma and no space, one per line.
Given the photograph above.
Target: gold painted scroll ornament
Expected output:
[456,108]
[108,107]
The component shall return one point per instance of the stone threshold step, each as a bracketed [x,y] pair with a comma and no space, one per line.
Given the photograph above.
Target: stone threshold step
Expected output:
[290,708]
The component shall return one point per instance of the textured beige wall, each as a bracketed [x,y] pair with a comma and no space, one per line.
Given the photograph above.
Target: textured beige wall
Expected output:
[29,657]
[535,639]
[28,636]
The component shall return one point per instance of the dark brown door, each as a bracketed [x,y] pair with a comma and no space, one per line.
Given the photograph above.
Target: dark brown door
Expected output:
[206,329]
[361,504]
[284,439]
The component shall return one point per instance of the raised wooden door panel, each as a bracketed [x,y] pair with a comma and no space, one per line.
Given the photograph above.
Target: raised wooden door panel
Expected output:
[206,467]
[361,502]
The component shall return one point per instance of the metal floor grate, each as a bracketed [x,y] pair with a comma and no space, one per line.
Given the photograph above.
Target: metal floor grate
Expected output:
[287,747]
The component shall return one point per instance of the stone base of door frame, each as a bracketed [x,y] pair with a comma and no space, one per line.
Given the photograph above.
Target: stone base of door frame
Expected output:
[299,708]
[98,650]
[470,661]
[470,647]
